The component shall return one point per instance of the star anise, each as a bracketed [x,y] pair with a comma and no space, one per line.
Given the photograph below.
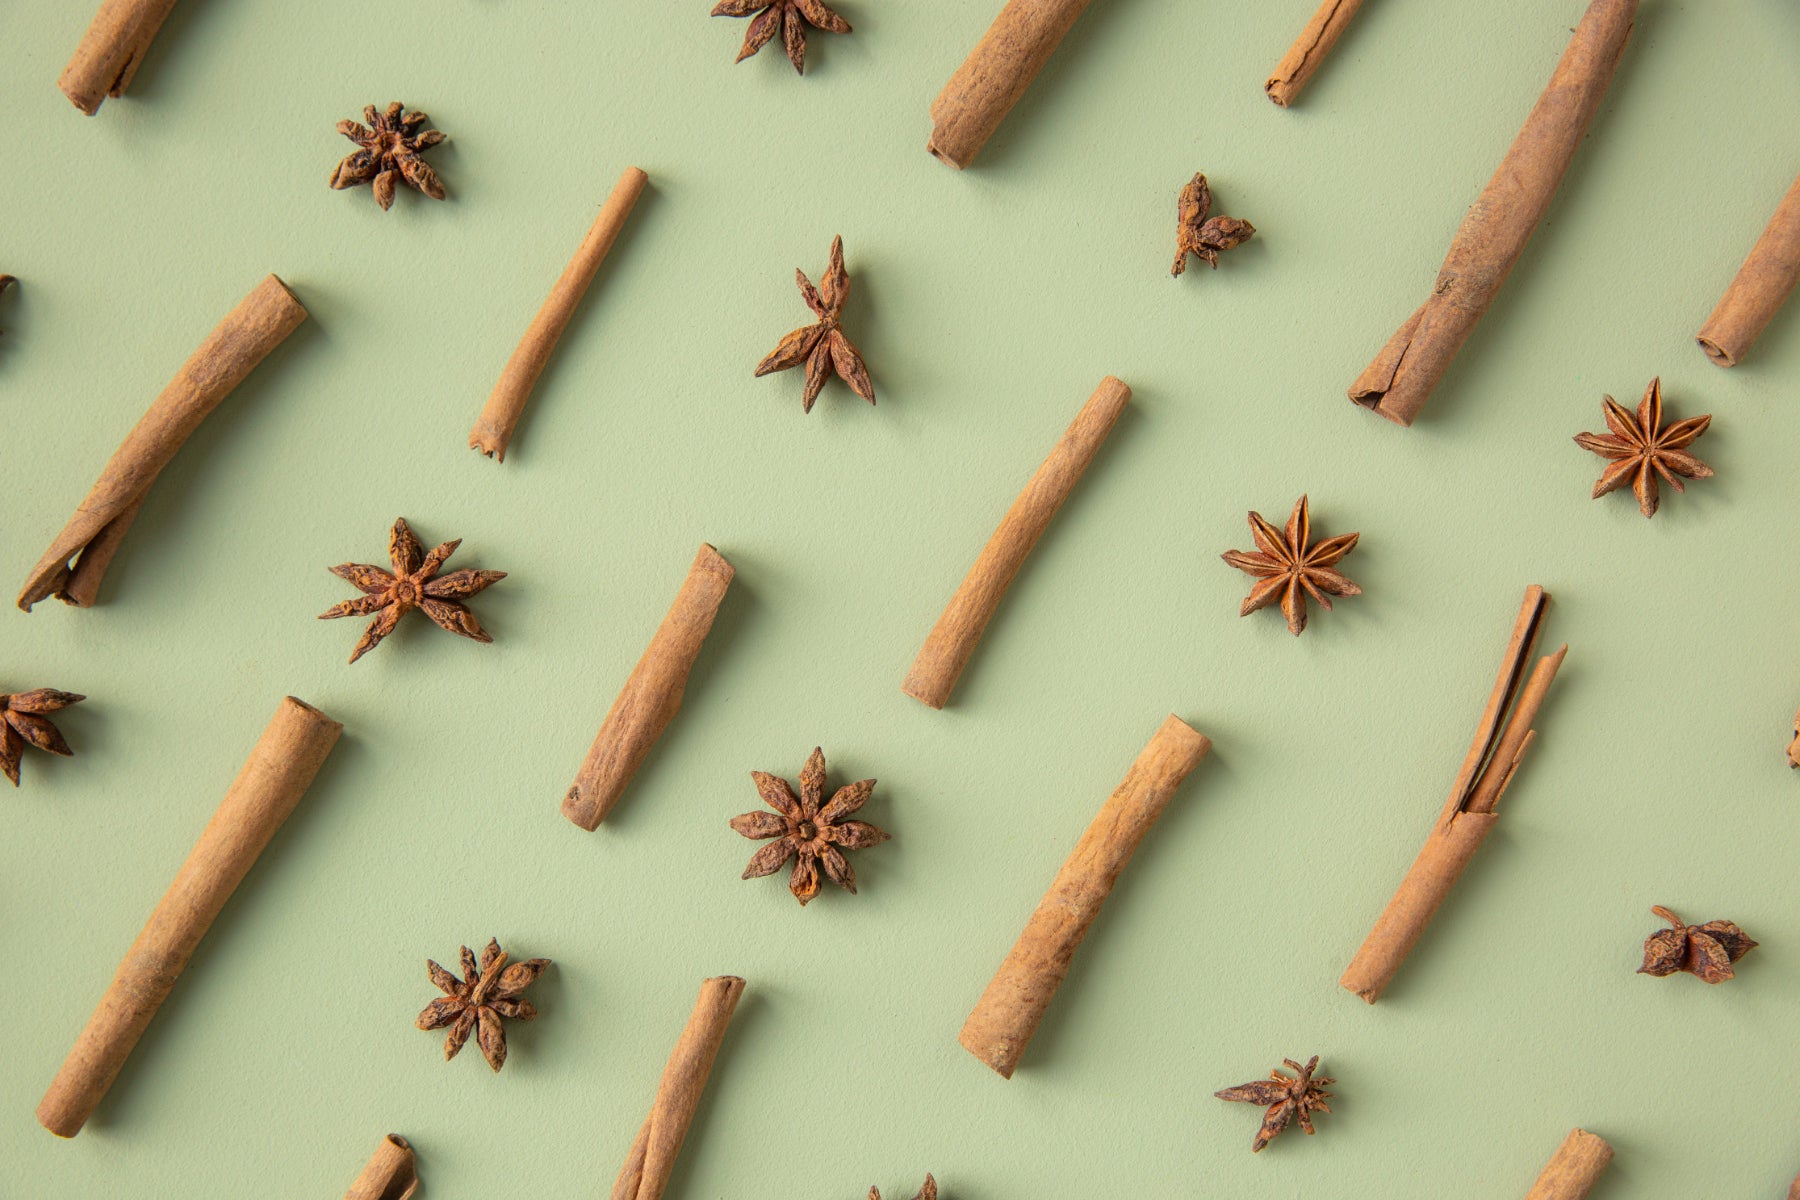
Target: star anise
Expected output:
[791,17]
[822,346]
[1202,236]
[22,723]
[413,583]
[390,145]
[928,1192]
[488,992]
[1288,569]
[1288,1097]
[1641,449]
[1704,950]
[808,829]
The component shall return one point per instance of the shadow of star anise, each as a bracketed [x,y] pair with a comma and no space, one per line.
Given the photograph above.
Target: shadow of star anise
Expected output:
[1641,449]
[389,149]
[1288,1097]
[928,1192]
[1288,570]
[789,17]
[1706,951]
[489,991]
[413,583]
[808,829]
[23,723]
[822,346]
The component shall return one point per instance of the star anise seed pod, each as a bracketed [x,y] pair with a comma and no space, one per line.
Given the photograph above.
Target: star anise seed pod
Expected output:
[791,17]
[1197,234]
[928,1192]
[390,145]
[413,583]
[1288,1097]
[489,991]
[1288,569]
[22,723]
[1705,950]
[808,829]
[822,346]
[1641,449]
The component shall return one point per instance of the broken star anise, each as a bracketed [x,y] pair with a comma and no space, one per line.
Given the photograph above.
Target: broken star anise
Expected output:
[807,828]
[1641,449]
[1288,569]
[822,346]
[389,149]
[928,1192]
[1200,235]
[413,583]
[790,17]
[1706,951]
[22,723]
[489,991]
[1288,1097]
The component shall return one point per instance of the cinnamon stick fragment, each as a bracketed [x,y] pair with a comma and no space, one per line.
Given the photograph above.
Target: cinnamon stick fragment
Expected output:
[1493,234]
[494,427]
[1761,285]
[652,1158]
[259,323]
[994,76]
[111,50]
[1309,50]
[1794,1191]
[958,631]
[1574,1169]
[652,694]
[1501,740]
[267,789]
[390,1175]
[1008,1013]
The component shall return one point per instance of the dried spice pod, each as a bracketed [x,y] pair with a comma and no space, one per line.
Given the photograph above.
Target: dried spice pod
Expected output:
[391,1173]
[808,829]
[822,345]
[1703,951]
[1286,1098]
[1574,1169]
[1197,233]
[1641,448]
[787,17]
[388,150]
[413,583]
[23,723]
[1288,567]
[111,51]
[1761,286]
[490,992]
[927,1192]
[1309,50]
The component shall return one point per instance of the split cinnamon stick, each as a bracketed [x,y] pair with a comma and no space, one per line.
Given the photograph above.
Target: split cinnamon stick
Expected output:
[1762,284]
[390,1175]
[652,1158]
[267,789]
[494,427]
[111,50]
[994,76]
[1501,740]
[1008,1013]
[1574,1169]
[652,694]
[259,323]
[1493,234]
[958,631]
[1309,50]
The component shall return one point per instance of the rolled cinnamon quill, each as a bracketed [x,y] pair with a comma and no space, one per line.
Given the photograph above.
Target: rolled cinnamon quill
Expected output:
[390,1175]
[652,1158]
[1493,234]
[1574,1169]
[1008,1013]
[494,427]
[260,322]
[267,789]
[996,73]
[111,50]
[958,631]
[652,694]
[1309,50]
[1762,284]
[1501,740]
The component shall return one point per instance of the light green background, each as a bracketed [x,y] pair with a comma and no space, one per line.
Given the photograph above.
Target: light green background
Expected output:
[988,305]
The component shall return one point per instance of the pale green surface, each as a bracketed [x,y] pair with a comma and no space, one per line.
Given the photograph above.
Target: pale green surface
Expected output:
[988,305]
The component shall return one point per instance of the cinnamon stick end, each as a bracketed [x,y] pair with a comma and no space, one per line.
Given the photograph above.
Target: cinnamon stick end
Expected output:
[709,559]
[57,1121]
[581,810]
[80,98]
[1720,356]
[945,156]
[927,689]
[1280,90]
[488,440]
[996,1056]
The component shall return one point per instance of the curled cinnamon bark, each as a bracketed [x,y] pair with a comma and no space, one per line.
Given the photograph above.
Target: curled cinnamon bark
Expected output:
[390,1175]
[111,50]
[1762,284]
[1309,50]
[1574,1169]
[994,76]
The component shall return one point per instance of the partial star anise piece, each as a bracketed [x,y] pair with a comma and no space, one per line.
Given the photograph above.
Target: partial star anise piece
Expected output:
[1641,449]
[413,583]
[488,991]
[390,144]
[791,17]
[1794,746]
[808,829]
[822,346]
[1706,951]
[1288,569]
[1288,1097]
[928,1192]
[22,723]
[1200,235]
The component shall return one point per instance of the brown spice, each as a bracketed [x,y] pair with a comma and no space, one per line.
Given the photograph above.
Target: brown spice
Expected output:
[822,346]
[789,17]
[808,829]
[488,992]
[928,1192]
[413,583]
[1200,235]
[1641,449]
[651,1160]
[111,51]
[1760,287]
[1288,568]
[23,723]
[6,281]
[1703,951]
[389,149]
[1309,50]
[1287,1098]
[995,75]
[1574,1169]
[390,1174]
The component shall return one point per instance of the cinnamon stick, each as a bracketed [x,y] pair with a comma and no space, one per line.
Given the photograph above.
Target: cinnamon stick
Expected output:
[1502,737]
[994,76]
[390,1175]
[259,323]
[958,631]
[1794,1191]
[1016,999]
[267,789]
[1493,234]
[1761,285]
[494,427]
[652,694]
[652,1157]
[1309,50]
[111,50]
[1574,1169]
